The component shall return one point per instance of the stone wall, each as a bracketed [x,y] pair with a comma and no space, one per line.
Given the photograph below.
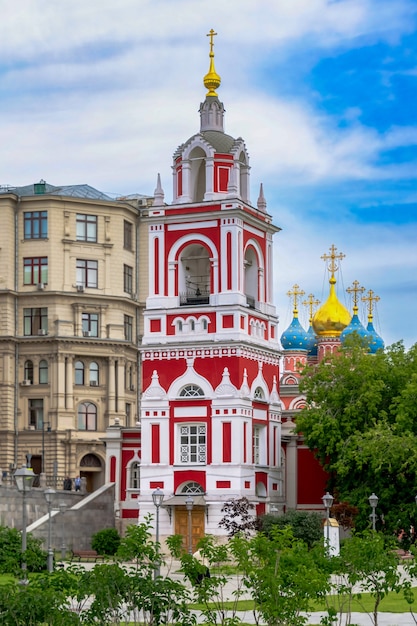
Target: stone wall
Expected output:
[83,515]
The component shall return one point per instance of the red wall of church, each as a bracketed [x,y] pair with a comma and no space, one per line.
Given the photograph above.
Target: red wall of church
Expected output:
[311,479]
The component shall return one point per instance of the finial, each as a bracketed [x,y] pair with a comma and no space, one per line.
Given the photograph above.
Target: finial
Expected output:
[371,299]
[158,193]
[211,80]
[355,290]
[333,257]
[261,199]
[295,293]
[311,303]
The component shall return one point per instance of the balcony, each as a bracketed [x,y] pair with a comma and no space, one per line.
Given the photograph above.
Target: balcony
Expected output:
[194,297]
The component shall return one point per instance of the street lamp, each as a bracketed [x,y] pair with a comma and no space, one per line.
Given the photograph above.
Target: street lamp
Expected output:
[157,498]
[49,495]
[373,501]
[328,501]
[24,478]
[62,507]
[189,503]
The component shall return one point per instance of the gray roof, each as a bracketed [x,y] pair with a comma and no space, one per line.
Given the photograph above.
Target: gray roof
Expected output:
[74,191]
[221,142]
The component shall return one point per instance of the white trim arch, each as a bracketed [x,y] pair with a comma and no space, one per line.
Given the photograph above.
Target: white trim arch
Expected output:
[252,279]
[297,403]
[190,377]
[175,251]
[178,323]
[133,461]
[198,141]
[259,381]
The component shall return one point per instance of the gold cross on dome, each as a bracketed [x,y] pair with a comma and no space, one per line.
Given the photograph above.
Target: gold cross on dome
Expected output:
[295,293]
[371,300]
[333,257]
[311,303]
[211,34]
[355,290]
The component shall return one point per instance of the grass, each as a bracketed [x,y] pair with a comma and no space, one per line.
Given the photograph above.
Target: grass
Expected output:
[392,603]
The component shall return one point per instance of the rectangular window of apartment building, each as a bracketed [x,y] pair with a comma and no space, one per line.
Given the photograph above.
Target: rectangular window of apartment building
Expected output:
[36,413]
[35,321]
[90,324]
[35,270]
[128,411]
[86,227]
[87,273]
[128,326]
[35,224]
[128,235]
[128,279]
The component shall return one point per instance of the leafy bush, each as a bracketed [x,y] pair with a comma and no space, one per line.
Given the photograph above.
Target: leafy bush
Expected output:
[106,541]
[305,525]
[11,552]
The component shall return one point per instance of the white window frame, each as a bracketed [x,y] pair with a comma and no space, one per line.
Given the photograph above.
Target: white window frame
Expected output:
[192,444]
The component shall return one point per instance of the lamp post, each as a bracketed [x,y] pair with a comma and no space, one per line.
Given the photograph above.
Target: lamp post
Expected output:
[327,501]
[373,501]
[157,498]
[189,503]
[49,495]
[62,507]
[24,478]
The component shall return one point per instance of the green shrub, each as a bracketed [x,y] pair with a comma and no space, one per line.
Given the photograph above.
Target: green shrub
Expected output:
[305,525]
[11,552]
[106,541]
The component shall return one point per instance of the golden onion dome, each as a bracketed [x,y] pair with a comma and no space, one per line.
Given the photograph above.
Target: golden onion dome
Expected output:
[331,318]
[211,80]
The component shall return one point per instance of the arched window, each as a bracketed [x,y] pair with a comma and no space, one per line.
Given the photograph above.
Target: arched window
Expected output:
[134,476]
[179,326]
[191,391]
[87,416]
[259,394]
[192,487]
[28,371]
[43,372]
[79,373]
[192,325]
[204,324]
[94,370]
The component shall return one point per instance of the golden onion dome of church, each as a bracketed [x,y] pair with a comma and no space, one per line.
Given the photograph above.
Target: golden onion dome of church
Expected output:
[332,317]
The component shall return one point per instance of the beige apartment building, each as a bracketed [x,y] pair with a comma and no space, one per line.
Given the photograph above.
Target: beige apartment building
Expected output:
[70,302]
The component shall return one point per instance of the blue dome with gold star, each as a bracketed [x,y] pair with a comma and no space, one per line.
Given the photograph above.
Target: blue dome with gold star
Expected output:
[355,326]
[311,342]
[295,337]
[375,341]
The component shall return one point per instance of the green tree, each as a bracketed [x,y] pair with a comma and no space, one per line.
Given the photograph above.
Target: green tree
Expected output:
[283,575]
[210,590]
[40,603]
[371,566]
[360,420]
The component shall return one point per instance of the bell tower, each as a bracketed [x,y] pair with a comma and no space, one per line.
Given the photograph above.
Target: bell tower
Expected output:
[210,410]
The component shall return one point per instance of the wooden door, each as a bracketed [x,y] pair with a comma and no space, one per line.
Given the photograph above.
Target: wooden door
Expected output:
[90,481]
[197,525]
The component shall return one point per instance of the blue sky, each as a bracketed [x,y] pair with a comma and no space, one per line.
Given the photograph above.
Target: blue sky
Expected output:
[323,92]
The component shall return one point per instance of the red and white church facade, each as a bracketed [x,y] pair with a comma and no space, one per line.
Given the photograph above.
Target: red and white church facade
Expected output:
[210,412]
[219,391]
